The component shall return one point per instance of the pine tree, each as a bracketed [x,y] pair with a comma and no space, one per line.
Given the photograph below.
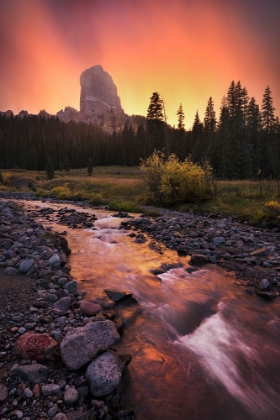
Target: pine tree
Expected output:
[155,123]
[210,121]
[181,117]
[267,113]
[50,168]
[90,166]
[66,165]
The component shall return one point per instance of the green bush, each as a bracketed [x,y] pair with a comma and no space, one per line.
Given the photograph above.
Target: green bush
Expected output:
[171,181]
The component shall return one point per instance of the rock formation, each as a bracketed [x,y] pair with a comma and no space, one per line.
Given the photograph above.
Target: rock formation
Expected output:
[98,92]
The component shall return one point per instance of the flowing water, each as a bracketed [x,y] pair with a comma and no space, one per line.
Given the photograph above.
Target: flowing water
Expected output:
[201,347]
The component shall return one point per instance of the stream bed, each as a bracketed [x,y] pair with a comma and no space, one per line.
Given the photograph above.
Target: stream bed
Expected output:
[201,347]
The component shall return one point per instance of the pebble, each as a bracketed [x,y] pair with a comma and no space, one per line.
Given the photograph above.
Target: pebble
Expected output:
[70,396]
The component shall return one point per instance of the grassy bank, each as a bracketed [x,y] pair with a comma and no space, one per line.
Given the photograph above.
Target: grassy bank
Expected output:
[122,188]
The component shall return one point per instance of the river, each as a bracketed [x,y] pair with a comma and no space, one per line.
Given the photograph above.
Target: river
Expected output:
[201,347]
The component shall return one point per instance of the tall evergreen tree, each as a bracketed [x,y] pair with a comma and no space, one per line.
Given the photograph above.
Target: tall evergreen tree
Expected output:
[181,117]
[155,123]
[90,166]
[267,113]
[210,121]
[50,168]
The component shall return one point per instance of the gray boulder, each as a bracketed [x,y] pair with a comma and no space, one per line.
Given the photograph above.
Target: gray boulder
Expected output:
[25,266]
[104,374]
[81,344]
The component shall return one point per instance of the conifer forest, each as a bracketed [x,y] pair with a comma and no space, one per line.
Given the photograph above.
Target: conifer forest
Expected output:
[242,141]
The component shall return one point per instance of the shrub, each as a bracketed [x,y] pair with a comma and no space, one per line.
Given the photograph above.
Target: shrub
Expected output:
[61,193]
[172,181]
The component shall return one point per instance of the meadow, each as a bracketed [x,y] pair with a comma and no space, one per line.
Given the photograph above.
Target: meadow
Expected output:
[123,188]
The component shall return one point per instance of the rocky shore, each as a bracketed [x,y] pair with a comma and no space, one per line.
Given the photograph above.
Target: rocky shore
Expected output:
[57,359]
[51,364]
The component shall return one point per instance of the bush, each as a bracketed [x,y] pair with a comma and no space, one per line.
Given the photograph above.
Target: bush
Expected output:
[171,181]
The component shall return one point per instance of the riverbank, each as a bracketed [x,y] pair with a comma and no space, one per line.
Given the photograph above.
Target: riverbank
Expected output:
[40,305]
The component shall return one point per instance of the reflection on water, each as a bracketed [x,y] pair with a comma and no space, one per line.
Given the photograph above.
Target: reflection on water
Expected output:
[202,349]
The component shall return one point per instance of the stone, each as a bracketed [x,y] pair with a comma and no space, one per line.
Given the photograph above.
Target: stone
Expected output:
[10,271]
[72,287]
[25,266]
[218,240]
[98,92]
[116,296]
[3,392]
[54,261]
[104,374]
[63,304]
[50,389]
[263,284]
[35,346]
[60,416]
[81,344]
[35,373]
[199,259]
[70,396]
[261,252]
[89,308]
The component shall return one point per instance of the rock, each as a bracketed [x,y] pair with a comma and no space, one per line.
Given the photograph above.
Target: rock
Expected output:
[98,92]
[261,252]
[10,271]
[116,296]
[72,287]
[3,392]
[263,284]
[35,373]
[54,261]
[25,266]
[60,416]
[218,240]
[35,346]
[81,344]
[267,295]
[104,374]
[50,389]
[63,304]
[199,259]
[89,308]
[70,396]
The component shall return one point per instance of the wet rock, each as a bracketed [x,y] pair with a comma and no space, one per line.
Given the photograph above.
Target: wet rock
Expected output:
[35,373]
[218,240]
[266,295]
[54,261]
[199,259]
[11,271]
[117,296]
[35,346]
[261,252]
[104,374]
[89,308]
[81,344]
[50,389]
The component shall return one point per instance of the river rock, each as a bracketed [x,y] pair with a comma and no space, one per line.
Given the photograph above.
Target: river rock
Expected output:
[199,259]
[116,296]
[81,344]
[54,261]
[264,284]
[63,304]
[3,392]
[72,287]
[70,396]
[35,373]
[35,346]
[104,374]
[25,266]
[10,271]
[89,308]
[50,389]
[218,240]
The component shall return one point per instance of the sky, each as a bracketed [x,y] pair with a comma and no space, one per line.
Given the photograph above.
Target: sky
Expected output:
[187,50]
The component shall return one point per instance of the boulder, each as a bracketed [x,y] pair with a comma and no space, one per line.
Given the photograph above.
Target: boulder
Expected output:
[35,346]
[116,296]
[104,374]
[81,344]
[25,266]
[199,259]
[89,308]
[35,373]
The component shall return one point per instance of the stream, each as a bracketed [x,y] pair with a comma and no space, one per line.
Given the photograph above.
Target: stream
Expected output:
[201,347]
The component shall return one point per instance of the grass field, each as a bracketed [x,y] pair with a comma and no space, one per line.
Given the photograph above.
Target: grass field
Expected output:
[122,188]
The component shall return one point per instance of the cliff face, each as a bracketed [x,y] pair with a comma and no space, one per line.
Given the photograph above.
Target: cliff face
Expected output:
[98,93]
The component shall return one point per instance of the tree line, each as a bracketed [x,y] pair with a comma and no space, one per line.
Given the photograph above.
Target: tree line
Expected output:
[242,142]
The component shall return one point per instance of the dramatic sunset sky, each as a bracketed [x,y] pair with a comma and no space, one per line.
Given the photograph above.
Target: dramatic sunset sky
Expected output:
[187,50]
